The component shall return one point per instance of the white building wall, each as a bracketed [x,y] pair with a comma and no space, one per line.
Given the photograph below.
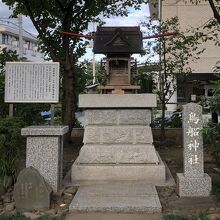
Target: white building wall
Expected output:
[190,16]
[30,50]
[194,16]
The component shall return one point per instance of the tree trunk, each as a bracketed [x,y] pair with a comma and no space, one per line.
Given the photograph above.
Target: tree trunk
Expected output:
[162,131]
[69,99]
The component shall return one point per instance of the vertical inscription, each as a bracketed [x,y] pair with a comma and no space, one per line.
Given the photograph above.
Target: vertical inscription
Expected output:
[31,191]
[193,143]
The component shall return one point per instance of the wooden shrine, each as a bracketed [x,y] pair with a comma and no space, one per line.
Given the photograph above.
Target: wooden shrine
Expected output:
[119,68]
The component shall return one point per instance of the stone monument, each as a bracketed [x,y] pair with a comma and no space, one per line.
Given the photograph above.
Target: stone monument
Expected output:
[118,159]
[118,137]
[193,182]
[31,191]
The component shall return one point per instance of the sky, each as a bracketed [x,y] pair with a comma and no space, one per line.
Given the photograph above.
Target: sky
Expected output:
[134,19]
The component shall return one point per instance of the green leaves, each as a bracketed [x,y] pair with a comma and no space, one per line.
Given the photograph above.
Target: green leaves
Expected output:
[176,53]
[11,142]
[4,57]
[211,135]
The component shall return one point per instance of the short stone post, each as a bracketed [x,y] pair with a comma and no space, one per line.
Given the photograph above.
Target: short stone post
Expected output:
[44,152]
[193,182]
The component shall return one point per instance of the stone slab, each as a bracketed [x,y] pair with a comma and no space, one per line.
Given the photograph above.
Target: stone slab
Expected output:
[88,172]
[126,153]
[117,100]
[123,197]
[117,117]
[195,186]
[44,130]
[118,135]
[31,191]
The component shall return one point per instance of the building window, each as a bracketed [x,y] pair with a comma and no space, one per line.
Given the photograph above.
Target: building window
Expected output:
[4,39]
[34,51]
[210,92]
[181,93]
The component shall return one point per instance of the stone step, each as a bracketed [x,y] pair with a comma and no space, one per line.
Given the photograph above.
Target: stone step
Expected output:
[118,153]
[119,197]
[87,172]
[118,135]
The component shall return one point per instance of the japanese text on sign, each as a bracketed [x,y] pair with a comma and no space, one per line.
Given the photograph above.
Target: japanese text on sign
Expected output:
[32,82]
[193,132]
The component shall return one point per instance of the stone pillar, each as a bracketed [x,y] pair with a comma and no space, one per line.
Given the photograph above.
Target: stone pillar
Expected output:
[193,182]
[172,103]
[44,151]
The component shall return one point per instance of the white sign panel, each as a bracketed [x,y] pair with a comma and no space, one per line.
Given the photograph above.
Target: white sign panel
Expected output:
[32,82]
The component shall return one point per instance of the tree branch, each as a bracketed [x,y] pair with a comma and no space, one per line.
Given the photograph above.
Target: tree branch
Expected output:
[40,32]
[215,11]
[30,12]
[60,4]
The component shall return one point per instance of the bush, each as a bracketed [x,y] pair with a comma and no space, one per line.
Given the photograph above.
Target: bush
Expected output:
[201,216]
[11,142]
[19,216]
[16,216]
[212,136]
[216,190]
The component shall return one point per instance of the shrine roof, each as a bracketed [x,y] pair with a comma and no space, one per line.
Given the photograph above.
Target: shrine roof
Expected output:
[118,40]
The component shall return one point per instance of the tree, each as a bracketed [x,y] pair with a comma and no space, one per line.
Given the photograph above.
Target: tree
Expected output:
[212,130]
[52,16]
[5,56]
[174,54]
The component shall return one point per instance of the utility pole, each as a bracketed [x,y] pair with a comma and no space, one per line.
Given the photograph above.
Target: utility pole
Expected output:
[93,60]
[20,24]
[11,106]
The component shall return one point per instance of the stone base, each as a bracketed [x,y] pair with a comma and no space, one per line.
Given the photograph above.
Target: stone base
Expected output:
[117,197]
[126,154]
[194,187]
[109,172]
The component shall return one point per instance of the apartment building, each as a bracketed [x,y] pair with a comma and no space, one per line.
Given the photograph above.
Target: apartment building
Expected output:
[191,16]
[9,38]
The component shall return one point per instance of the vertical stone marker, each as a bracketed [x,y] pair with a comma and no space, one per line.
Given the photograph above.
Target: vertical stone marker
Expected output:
[193,182]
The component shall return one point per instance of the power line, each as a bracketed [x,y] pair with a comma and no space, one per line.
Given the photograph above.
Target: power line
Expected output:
[13,23]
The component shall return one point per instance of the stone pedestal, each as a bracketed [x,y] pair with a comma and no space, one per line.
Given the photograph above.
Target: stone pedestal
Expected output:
[45,151]
[118,139]
[194,186]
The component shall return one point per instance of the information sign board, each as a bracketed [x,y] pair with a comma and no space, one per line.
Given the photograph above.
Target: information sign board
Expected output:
[32,82]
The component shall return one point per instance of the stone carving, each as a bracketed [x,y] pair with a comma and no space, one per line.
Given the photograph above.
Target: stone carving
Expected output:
[31,191]
[193,182]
